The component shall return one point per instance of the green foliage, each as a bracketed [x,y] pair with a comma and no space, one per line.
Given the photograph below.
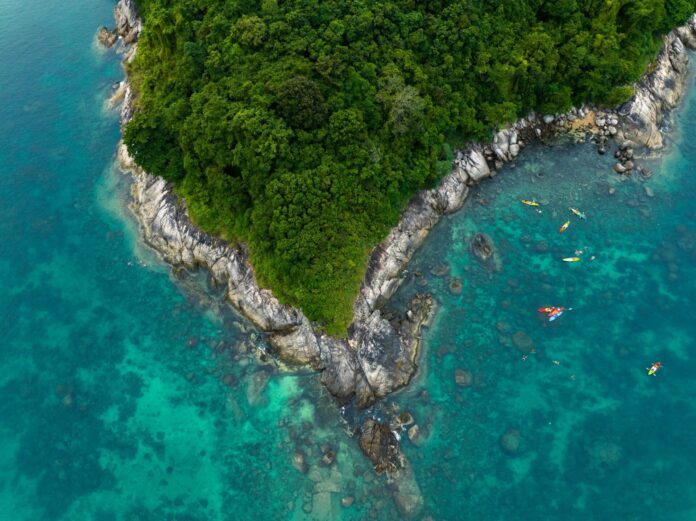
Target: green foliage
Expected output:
[302,127]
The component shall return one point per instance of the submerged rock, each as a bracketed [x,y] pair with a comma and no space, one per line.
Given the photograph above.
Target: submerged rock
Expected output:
[523,342]
[605,452]
[256,386]
[298,461]
[482,247]
[510,441]
[439,271]
[406,492]
[463,378]
[455,286]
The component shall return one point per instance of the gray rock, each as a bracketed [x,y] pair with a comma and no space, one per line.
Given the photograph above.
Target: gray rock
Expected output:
[462,378]
[619,168]
[648,191]
[107,38]
[347,501]
[128,24]
[405,419]
[657,92]
[484,251]
[687,33]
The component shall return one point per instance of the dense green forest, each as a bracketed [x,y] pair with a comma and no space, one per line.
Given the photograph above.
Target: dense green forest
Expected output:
[302,127]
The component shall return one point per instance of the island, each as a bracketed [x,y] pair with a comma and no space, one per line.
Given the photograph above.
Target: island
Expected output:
[302,151]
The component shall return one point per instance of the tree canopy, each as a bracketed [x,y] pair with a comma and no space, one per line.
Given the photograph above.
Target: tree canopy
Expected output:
[302,127]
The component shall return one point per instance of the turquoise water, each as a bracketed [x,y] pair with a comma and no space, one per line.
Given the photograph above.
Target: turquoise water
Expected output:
[597,438]
[132,393]
[128,393]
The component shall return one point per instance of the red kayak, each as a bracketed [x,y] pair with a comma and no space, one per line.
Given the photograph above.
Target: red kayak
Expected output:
[551,310]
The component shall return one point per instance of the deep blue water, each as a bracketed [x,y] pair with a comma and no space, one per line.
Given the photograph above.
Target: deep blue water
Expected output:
[131,393]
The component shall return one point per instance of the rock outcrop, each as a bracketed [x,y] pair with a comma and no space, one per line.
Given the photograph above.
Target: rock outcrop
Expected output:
[128,24]
[377,357]
[483,249]
[375,360]
[380,445]
[107,38]
[658,91]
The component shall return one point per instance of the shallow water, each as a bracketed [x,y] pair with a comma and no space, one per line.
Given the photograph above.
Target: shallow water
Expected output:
[129,392]
[598,439]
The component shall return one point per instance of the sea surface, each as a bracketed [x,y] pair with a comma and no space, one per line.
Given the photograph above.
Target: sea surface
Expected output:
[131,392]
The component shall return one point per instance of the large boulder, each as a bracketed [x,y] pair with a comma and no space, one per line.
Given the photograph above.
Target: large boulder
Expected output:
[380,445]
[107,38]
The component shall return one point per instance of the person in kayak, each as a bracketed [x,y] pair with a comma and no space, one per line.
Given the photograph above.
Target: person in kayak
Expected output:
[653,368]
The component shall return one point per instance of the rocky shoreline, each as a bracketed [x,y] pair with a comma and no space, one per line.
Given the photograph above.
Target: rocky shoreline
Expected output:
[380,356]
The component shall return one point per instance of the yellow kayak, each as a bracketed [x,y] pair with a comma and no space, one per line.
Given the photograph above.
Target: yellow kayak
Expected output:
[529,203]
[564,227]
[571,259]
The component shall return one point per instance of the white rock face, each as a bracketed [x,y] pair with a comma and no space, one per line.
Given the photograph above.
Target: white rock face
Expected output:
[128,24]
[657,92]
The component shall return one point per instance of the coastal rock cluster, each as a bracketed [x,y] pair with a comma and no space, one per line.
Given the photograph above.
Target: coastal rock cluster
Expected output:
[636,123]
[379,356]
[128,25]
[376,358]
